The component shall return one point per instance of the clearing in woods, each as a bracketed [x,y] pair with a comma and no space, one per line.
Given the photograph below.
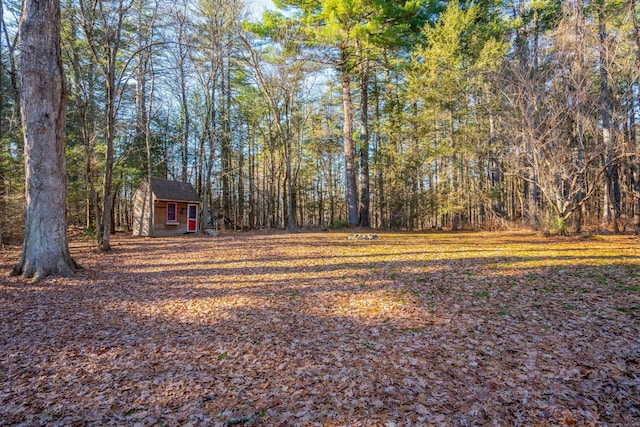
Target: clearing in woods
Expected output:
[318,329]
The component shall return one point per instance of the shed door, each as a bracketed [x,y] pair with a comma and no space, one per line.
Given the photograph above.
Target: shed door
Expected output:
[192,218]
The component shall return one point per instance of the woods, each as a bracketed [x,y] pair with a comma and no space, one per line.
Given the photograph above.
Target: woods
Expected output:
[122,119]
[390,114]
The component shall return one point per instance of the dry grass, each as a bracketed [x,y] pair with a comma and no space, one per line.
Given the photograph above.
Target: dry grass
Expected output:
[315,329]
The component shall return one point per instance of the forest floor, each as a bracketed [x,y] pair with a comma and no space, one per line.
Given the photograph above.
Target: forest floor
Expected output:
[317,329]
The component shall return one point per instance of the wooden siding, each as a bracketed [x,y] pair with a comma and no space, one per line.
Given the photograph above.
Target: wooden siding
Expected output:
[141,211]
[160,226]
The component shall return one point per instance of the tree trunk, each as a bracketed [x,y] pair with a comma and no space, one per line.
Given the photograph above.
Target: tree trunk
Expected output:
[225,155]
[87,124]
[186,119]
[350,173]
[148,142]
[609,208]
[107,206]
[240,177]
[106,54]
[252,191]
[2,189]
[2,181]
[332,201]
[141,83]
[212,135]
[291,213]
[85,107]
[12,69]
[580,137]
[206,188]
[636,168]
[378,156]
[45,249]
[225,140]
[282,113]
[364,141]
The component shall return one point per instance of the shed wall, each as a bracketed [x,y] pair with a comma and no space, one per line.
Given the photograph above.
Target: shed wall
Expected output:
[141,211]
[161,228]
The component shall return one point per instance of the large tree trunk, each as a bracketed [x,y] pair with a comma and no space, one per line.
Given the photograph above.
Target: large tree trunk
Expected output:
[636,168]
[2,191]
[2,182]
[364,141]
[44,100]
[350,173]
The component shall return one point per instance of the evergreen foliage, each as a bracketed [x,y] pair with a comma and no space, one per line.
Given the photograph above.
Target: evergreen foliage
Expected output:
[384,113]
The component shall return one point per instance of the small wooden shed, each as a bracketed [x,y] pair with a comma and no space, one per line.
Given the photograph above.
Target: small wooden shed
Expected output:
[174,207]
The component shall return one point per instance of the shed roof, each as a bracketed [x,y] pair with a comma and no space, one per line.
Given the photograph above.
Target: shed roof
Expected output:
[165,189]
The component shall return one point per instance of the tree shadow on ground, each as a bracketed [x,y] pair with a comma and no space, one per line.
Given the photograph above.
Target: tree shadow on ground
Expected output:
[334,339]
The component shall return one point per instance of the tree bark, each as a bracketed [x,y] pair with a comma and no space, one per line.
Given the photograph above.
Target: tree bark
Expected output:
[2,181]
[378,164]
[636,167]
[2,188]
[350,173]
[45,249]
[364,141]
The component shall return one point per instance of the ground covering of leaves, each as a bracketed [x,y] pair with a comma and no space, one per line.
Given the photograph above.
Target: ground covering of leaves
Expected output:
[318,329]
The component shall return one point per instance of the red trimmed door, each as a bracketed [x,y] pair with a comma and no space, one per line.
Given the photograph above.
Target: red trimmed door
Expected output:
[192,218]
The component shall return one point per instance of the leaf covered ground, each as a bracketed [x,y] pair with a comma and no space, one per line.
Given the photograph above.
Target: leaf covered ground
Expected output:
[318,329]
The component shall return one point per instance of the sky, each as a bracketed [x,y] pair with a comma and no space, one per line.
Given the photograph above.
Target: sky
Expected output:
[258,6]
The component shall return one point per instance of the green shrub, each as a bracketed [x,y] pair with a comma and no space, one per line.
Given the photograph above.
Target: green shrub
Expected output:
[559,225]
[337,225]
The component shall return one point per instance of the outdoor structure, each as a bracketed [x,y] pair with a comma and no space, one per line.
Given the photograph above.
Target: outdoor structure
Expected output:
[173,206]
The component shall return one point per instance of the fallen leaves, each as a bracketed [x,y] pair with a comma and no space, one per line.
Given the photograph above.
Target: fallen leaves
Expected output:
[317,329]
